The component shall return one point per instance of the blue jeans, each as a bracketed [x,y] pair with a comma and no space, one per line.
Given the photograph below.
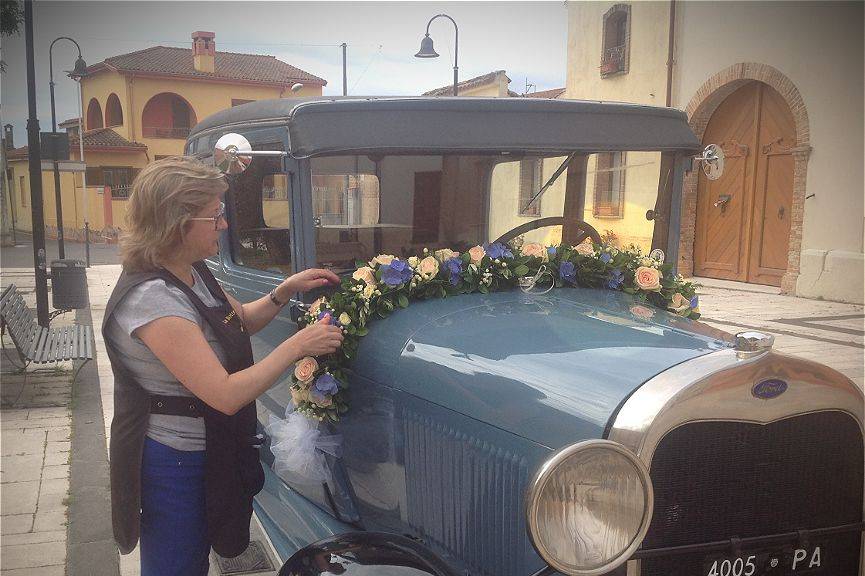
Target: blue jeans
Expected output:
[173,515]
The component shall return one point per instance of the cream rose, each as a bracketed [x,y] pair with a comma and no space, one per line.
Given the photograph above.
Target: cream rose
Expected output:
[679,304]
[445,254]
[366,274]
[585,249]
[368,291]
[477,253]
[344,319]
[648,279]
[535,249]
[315,307]
[428,267]
[305,369]
[382,259]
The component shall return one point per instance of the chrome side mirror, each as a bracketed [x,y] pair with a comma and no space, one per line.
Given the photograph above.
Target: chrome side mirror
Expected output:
[232,153]
[712,161]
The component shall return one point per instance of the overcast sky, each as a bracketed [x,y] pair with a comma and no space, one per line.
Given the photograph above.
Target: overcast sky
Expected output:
[526,39]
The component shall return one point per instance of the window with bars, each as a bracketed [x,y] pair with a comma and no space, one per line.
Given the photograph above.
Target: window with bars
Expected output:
[615,49]
[531,180]
[609,191]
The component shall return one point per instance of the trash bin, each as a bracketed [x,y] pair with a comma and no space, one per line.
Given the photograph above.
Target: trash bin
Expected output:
[68,284]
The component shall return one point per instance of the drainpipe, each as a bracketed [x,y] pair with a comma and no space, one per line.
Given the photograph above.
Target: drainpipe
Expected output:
[672,27]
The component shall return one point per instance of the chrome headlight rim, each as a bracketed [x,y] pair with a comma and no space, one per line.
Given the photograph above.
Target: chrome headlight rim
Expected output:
[535,488]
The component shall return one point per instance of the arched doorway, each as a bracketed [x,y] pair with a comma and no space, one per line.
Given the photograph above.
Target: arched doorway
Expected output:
[94,114]
[743,219]
[167,115]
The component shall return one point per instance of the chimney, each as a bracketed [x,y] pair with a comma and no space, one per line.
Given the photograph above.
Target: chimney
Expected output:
[7,136]
[203,51]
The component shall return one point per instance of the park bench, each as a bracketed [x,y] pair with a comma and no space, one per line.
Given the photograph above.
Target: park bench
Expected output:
[36,343]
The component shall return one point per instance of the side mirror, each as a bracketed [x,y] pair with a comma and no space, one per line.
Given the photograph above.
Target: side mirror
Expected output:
[232,153]
[365,553]
[712,161]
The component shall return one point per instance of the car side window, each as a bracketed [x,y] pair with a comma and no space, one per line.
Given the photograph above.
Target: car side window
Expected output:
[260,209]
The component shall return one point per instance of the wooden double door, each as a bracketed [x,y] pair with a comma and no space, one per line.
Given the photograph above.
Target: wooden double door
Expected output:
[743,218]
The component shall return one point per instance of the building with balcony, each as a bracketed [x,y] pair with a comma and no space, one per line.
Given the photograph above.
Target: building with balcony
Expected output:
[139,107]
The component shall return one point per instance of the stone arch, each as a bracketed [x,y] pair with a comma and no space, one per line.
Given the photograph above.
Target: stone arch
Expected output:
[113,111]
[94,114]
[700,109]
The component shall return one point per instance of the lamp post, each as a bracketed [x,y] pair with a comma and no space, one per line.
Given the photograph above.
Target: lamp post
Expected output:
[80,67]
[427,50]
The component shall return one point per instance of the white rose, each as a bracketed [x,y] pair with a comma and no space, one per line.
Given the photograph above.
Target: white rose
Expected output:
[477,253]
[428,267]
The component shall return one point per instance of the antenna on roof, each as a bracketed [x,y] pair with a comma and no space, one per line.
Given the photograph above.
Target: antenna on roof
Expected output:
[529,86]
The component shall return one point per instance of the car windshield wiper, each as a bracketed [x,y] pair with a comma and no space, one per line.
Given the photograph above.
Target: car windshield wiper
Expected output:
[552,179]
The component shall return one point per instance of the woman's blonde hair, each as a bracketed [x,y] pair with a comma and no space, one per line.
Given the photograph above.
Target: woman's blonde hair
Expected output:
[165,194]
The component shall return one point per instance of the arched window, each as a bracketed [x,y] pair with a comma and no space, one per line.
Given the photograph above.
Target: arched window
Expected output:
[167,115]
[615,53]
[94,114]
[113,111]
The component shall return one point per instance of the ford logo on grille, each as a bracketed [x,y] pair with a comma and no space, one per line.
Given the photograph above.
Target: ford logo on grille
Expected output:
[768,389]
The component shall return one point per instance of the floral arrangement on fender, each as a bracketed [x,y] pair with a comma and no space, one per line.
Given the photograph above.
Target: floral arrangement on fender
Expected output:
[386,283]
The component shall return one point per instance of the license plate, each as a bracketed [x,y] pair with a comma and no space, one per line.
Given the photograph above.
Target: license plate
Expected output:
[790,560]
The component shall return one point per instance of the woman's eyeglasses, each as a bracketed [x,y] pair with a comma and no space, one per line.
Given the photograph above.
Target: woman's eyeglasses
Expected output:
[220,214]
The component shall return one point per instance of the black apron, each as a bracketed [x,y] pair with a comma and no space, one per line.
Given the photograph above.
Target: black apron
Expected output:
[233,472]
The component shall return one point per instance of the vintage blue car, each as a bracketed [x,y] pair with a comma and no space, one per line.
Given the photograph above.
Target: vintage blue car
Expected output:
[511,433]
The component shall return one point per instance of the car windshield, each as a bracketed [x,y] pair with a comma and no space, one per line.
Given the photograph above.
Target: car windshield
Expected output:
[366,205]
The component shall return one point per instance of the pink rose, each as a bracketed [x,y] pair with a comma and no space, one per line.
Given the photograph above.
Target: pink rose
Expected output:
[585,249]
[536,250]
[305,369]
[382,259]
[315,307]
[648,279]
[366,274]
[642,312]
[477,254]
[679,304]
[428,267]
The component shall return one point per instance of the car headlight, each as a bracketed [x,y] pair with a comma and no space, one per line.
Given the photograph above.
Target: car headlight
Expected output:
[589,507]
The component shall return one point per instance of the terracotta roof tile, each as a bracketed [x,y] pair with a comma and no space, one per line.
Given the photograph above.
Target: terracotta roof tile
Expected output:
[465,84]
[98,138]
[554,93]
[227,66]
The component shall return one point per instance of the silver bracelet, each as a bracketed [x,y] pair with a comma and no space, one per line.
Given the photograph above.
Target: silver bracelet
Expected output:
[275,300]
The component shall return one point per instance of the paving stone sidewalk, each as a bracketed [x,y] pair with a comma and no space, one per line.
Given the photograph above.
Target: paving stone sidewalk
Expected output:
[35,465]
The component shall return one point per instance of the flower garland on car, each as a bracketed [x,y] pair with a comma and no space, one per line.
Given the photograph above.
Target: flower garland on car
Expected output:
[377,288]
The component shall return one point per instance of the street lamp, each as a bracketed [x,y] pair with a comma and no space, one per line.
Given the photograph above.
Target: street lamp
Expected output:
[427,50]
[80,68]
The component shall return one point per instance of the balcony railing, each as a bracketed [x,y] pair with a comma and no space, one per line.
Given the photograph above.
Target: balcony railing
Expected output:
[120,192]
[162,132]
[613,60]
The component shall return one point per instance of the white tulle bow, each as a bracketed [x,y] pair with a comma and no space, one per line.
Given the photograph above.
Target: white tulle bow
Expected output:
[299,448]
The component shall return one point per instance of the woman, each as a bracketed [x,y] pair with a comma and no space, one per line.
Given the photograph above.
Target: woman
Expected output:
[184,464]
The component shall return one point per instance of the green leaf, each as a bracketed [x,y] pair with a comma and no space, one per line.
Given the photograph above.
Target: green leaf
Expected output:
[521,270]
[403,301]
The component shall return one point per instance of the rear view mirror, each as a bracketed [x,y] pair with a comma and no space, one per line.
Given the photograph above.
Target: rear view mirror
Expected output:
[232,153]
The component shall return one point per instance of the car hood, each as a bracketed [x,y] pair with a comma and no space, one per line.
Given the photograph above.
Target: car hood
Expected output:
[550,368]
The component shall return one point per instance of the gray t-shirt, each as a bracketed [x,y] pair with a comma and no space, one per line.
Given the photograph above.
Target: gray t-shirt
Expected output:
[147,302]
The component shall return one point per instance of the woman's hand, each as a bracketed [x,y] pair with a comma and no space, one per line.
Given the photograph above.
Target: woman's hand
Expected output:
[318,339]
[305,281]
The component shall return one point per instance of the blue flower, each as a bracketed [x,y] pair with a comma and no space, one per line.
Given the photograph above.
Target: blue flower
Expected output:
[333,321]
[567,271]
[615,279]
[497,250]
[605,258]
[454,267]
[551,251]
[695,302]
[396,273]
[325,384]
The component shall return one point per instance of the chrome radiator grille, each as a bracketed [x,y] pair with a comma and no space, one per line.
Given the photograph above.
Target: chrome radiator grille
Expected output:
[465,496]
[717,480]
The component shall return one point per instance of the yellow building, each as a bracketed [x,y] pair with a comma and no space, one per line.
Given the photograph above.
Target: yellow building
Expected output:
[139,107]
[492,85]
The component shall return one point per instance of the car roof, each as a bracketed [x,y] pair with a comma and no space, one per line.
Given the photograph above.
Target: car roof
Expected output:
[329,125]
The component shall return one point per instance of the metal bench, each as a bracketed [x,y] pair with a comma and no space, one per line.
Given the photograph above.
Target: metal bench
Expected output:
[37,344]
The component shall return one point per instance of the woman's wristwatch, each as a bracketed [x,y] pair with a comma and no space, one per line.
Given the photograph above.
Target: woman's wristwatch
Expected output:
[275,300]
